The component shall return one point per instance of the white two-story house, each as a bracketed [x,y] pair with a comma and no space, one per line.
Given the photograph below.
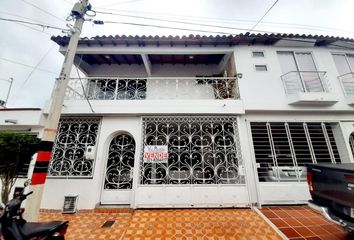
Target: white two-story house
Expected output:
[201,121]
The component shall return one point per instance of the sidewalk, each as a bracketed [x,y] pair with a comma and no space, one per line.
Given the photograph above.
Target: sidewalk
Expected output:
[167,224]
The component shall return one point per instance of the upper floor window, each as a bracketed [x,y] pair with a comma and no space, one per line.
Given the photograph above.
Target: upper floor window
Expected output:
[300,73]
[344,63]
[261,67]
[258,54]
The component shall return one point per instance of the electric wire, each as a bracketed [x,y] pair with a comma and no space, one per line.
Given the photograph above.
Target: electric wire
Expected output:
[82,85]
[166,27]
[26,65]
[36,66]
[32,23]
[223,20]
[183,22]
[251,29]
[42,10]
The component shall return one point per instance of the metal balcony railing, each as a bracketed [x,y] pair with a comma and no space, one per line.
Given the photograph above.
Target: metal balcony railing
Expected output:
[304,81]
[347,82]
[120,88]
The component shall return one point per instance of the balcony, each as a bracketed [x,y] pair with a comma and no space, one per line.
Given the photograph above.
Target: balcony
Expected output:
[152,88]
[127,95]
[307,88]
[347,82]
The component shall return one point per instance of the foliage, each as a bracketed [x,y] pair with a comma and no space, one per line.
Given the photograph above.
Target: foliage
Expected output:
[16,151]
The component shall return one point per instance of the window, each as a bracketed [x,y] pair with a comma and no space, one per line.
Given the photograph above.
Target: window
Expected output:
[201,150]
[282,149]
[258,54]
[68,155]
[300,73]
[261,67]
[344,63]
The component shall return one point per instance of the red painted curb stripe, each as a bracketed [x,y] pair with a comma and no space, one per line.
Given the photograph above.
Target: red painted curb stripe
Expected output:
[38,178]
[43,156]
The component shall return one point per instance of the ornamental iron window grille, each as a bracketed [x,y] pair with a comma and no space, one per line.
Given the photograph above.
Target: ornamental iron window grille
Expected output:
[282,149]
[120,163]
[68,155]
[201,150]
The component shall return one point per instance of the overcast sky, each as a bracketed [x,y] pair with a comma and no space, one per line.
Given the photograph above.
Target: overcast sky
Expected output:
[31,46]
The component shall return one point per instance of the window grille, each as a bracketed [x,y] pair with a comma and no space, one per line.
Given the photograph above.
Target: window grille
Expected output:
[282,149]
[201,150]
[70,203]
[120,163]
[68,155]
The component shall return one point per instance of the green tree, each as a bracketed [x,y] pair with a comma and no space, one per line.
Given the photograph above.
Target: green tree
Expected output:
[16,150]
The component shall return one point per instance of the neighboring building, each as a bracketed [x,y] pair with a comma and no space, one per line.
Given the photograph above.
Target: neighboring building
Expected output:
[27,121]
[169,122]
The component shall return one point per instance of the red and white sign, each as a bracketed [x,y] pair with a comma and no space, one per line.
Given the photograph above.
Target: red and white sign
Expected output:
[155,154]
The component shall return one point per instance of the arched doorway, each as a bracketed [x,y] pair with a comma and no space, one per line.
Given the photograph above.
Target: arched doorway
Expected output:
[118,180]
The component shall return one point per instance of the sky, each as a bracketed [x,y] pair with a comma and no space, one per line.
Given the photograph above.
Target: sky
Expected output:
[29,56]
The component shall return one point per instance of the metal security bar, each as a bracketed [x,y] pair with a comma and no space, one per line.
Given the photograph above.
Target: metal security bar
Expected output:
[282,149]
[120,163]
[73,137]
[347,82]
[304,81]
[201,150]
[117,88]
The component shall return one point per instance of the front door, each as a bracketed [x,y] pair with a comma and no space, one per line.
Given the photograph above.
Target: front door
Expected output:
[118,182]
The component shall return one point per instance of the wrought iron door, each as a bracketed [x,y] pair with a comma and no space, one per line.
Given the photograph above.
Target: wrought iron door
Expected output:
[120,163]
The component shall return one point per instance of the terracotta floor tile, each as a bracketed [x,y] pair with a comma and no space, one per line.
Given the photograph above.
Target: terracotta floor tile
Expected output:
[307,223]
[169,224]
[304,231]
[290,232]
[279,223]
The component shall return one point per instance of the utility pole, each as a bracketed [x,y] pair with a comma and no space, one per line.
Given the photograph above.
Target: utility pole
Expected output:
[8,92]
[50,129]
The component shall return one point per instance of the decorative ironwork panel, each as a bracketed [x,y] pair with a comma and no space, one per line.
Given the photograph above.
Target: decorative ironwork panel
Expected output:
[120,163]
[68,155]
[201,150]
[119,89]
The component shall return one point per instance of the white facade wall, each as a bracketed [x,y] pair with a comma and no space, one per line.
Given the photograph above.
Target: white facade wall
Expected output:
[263,98]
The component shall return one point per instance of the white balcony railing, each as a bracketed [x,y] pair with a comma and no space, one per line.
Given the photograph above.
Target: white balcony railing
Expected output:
[124,88]
[347,82]
[304,81]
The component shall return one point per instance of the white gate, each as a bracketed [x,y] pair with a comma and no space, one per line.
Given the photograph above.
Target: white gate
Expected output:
[118,180]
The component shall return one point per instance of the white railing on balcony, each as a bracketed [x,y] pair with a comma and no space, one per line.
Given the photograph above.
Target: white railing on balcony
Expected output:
[124,88]
[347,82]
[304,81]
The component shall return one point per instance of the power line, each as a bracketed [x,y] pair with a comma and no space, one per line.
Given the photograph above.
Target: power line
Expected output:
[264,15]
[182,22]
[26,65]
[32,23]
[160,26]
[36,67]
[226,20]
[82,85]
[42,10]
[196,24]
